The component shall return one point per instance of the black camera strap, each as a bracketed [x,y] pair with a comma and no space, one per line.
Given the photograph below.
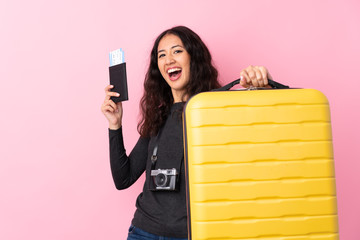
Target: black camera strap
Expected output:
[154,156]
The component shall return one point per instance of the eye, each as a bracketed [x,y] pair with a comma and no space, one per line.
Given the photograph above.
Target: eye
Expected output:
[178,51]
[161,55]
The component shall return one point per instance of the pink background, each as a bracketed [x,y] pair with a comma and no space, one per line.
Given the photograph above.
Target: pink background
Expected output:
[55,178]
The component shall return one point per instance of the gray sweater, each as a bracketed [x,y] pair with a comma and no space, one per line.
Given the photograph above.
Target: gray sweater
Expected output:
[161,212]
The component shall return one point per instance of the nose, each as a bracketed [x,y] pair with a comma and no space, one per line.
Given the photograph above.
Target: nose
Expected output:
[169,59]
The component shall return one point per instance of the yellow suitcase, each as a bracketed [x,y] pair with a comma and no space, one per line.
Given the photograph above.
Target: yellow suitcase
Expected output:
[259,166]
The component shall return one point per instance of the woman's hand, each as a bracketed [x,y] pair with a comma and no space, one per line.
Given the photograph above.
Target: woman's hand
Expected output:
[113,112]
[256,76]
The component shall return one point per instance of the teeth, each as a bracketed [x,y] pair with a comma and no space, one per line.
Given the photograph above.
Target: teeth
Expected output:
[173,70]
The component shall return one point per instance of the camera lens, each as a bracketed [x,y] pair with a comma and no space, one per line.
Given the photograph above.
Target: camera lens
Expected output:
[160,180]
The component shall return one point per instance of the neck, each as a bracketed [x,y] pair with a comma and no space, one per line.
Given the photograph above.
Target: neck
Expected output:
[179,96]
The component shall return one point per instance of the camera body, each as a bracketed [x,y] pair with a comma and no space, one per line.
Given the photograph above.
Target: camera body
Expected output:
[164,179]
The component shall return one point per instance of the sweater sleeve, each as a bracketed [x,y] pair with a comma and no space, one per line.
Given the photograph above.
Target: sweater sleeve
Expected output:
[126,169]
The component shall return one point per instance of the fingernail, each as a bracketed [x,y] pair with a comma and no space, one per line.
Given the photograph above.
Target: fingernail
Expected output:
[118,94]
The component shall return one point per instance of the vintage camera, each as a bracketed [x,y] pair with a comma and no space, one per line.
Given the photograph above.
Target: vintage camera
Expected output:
[164,179]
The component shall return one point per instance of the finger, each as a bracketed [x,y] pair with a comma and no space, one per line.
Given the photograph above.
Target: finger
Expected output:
[259,80]
[111,94]
[245,79]
[107,90]
[104,106]
[112,104]
[108,108]
[108,87]
[264,74]
[252,74]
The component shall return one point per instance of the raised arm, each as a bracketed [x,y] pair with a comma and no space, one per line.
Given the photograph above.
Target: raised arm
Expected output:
[126,169]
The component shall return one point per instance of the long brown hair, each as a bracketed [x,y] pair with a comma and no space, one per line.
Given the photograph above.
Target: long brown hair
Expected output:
[157,99]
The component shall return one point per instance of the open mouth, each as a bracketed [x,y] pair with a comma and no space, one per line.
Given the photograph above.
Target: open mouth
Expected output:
[174,73]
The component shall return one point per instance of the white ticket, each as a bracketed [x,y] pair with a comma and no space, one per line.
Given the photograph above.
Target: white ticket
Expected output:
[116,57]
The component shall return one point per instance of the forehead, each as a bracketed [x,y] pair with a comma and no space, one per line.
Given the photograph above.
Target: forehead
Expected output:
[169,41]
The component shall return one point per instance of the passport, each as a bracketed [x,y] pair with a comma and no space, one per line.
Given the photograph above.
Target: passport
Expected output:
[117,73]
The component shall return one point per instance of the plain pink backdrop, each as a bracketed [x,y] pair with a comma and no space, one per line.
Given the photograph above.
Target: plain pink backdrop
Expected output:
[55,179]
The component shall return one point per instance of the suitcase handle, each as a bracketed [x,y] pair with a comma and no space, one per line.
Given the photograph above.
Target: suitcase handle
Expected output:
[272,84]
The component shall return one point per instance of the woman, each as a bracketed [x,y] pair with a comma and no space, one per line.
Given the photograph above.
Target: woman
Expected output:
[180,67]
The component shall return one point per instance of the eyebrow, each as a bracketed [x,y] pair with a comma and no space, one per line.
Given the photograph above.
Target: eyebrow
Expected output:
[162,50]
